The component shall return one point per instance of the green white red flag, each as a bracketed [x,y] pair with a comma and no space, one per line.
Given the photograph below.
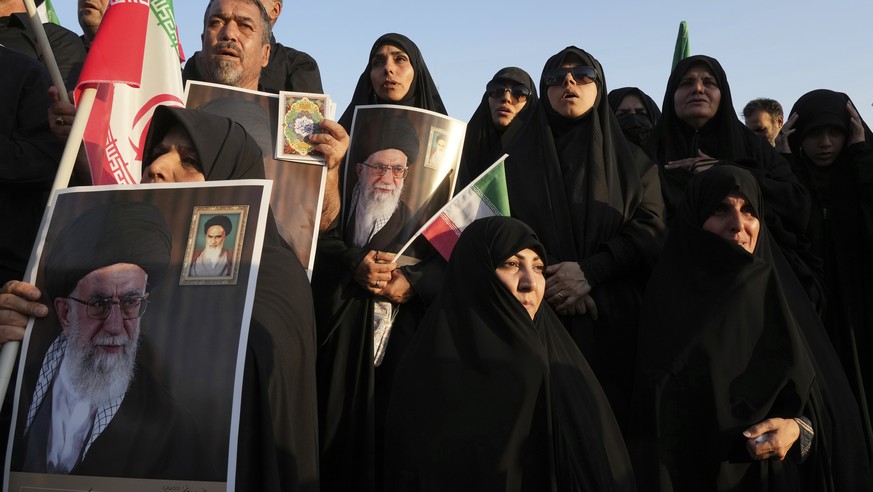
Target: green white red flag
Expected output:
[134,63]
[486,196]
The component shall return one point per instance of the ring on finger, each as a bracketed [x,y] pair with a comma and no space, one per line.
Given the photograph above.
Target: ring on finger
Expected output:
[377,283]
[561,295]
[59,120]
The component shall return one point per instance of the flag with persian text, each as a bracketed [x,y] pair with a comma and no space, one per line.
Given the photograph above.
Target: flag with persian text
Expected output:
[134,63]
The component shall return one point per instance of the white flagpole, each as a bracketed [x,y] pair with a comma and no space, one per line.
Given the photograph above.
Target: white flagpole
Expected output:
[46,50]
[65,168]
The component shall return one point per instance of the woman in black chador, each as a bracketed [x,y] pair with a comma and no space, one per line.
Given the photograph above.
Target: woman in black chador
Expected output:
[509,101]
[594,201]
[832,153]
[492,393]
[352,393]
[737,388]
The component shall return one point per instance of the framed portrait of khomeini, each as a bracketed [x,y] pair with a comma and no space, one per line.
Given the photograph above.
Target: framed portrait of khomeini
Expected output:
[215,241]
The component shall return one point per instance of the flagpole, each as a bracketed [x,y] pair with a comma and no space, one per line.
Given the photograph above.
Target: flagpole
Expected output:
[65,169]
[46,50]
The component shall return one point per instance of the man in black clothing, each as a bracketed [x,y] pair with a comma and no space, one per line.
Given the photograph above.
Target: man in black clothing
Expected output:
[286,68]
[17,34]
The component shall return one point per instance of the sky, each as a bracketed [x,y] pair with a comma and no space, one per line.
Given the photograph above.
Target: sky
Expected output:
[769,48]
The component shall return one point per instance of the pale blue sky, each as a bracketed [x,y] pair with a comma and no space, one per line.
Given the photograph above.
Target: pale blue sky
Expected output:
[778,49]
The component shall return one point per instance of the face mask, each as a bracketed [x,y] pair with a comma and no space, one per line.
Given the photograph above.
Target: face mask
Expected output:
[636,127]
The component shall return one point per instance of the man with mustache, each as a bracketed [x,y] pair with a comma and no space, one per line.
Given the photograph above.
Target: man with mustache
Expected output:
[377,214]
[91,14]
[94,409]
[240,50]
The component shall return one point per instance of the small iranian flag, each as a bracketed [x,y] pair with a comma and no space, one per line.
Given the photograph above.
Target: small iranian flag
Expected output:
[134,64]
[486,196]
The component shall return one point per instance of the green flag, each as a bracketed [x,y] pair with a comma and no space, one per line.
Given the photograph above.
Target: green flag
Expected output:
[47,13]
[683,47]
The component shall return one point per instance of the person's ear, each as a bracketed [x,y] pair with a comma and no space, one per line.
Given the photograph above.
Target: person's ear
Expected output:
[265,55]
[780,121]
[359,168]
[62,308]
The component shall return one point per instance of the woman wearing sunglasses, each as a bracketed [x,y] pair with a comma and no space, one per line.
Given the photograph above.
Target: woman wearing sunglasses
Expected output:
[506,106]
[595,202]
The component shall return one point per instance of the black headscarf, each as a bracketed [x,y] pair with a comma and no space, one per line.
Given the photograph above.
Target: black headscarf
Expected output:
[225,149]
[841,231]
[484,141]
[594,199]
[636,127]
[278,436]
[122,232]
[423,93]
[488,399]
[727,340]
[725,137]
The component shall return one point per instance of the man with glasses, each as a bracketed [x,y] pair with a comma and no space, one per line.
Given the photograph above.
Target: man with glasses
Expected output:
[94,409]
[378,214]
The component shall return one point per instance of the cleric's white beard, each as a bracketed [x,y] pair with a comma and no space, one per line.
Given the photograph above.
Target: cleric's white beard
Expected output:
[97,376]
[212,254]
[373,205]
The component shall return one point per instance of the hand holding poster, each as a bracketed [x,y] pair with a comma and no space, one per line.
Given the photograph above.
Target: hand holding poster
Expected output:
[401,168]
[134,378]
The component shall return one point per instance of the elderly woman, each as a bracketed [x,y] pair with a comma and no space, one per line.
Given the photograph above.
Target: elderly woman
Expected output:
[637,113]
[832,154]
[737,387]
[595,203]
[492,393]
[278,443]
[510,99]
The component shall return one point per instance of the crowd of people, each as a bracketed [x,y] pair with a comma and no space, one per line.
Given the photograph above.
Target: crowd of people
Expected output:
[680,300]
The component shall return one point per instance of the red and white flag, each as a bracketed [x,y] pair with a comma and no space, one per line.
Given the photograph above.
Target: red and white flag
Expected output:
[134,63]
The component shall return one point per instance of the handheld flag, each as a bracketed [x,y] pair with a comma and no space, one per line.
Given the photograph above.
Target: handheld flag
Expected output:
[486,196]
[134,64]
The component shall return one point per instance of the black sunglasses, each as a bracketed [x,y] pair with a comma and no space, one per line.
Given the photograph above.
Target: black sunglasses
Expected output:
[517,91]
[582,75]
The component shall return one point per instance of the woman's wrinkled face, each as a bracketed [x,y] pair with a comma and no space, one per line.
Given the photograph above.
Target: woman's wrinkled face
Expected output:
[391,73]
[522,274]
[572,98]
[823,145]
[735,220]
[697,96]
[176,160]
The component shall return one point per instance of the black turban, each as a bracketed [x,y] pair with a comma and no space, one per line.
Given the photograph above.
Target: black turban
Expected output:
[221,221]
[396,133]
[121,232]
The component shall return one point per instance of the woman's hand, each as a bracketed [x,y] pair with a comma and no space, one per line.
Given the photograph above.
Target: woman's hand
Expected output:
[856,129]
[17,305]
[566,288]
[771,438]
[398,290]
[786,131]
[693,164]
[374,271]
